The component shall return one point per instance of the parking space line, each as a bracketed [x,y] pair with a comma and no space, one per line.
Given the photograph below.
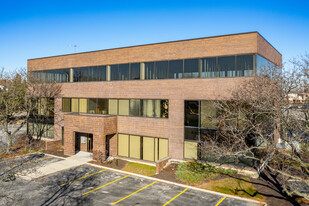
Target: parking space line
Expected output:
[82,177]
[30,162]
[134,193]
[175,197]
[220,201]
[105,185]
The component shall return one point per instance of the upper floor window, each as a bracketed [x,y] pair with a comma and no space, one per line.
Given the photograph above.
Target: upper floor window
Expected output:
[125,107]
[226,66]
[211,67]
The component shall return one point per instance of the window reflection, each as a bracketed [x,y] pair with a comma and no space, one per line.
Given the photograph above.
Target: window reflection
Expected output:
[226,66]
[175,69]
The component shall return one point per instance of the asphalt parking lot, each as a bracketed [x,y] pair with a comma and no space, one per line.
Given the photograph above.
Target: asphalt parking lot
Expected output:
[88,185]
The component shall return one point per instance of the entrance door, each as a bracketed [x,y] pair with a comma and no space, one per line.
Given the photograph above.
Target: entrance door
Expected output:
[107,145]
[89,143]
[77,142]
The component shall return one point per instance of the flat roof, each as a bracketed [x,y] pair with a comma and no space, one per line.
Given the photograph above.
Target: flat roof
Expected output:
[158,43]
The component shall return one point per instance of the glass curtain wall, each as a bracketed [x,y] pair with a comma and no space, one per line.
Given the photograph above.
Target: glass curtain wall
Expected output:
[200,124]
[161,69]
[245,65]
[191,68]
[135,71]
[124,72]
[175,69]
[114,73]
[227,66]
[150,70]
[209,67]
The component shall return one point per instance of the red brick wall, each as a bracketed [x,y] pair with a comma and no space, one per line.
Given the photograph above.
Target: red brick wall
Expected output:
[175,90]
[214,46]
[53,145]
[99,126]
[268,51]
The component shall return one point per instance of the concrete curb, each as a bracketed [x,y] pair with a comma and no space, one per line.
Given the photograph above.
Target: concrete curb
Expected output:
[55,156]
[180,185]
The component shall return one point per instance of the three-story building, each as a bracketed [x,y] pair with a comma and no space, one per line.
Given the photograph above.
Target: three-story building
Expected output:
[150,101]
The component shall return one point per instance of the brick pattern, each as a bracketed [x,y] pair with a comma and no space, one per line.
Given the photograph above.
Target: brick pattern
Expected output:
[268,52]
[175,90]
[58,119]
[99,126]
[215,46]
[52,145]
[160,164]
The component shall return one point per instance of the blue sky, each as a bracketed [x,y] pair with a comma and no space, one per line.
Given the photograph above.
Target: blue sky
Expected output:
[32,29]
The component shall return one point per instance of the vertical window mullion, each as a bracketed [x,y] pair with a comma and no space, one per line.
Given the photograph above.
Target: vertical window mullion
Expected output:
[217,69]
[235,66]
[154,149]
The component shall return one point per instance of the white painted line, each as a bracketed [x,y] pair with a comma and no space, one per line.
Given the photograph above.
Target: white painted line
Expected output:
[180,185]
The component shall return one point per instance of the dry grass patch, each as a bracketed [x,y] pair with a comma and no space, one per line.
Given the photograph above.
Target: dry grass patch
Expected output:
[232,186]
[141,169]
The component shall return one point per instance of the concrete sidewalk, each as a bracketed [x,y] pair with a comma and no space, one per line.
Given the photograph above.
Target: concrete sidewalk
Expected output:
[76,160]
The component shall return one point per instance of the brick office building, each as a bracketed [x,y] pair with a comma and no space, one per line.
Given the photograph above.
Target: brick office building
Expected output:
[150,101]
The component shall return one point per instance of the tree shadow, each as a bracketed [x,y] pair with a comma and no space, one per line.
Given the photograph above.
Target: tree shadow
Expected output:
[270,182]
[71,193]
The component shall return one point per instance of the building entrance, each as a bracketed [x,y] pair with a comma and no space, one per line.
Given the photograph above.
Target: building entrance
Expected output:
[83,142]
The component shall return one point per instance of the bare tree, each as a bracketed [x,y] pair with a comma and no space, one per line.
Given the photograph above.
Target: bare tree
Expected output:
[258,125]
[19,100]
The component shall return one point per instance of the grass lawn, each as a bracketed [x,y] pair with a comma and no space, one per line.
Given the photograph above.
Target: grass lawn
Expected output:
[141,169]
[195,173]
[232,186]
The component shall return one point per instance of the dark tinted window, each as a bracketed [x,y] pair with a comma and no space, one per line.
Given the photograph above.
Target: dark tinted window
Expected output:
[175,69]
[245,65]
[114,72]
[83,74]
[76,75]
[226,66]
[191,113]
[102,106]
[191,68]
[209,68]
[101,73]
[149,70]
[135,107]
[191,133]
[161,69]
[91,74]
[123,71]
[135,71]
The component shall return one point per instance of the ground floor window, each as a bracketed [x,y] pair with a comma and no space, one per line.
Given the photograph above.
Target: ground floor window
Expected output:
[141,147]
[62,136]
[41,130]
[190,150]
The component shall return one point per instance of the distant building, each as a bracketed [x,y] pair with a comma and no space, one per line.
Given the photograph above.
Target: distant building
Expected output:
[150,101]
[298,98]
